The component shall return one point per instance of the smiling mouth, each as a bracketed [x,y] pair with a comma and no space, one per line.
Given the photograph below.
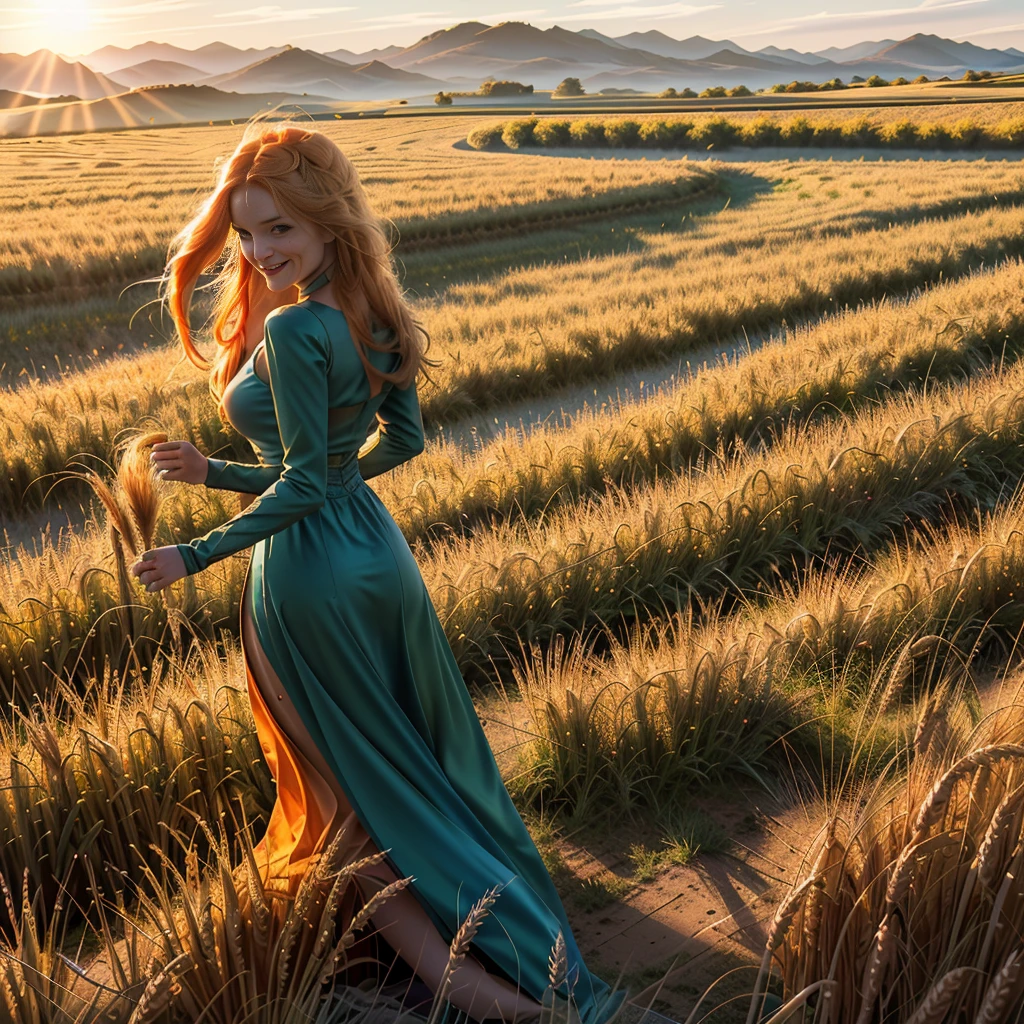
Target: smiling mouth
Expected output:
[273,269]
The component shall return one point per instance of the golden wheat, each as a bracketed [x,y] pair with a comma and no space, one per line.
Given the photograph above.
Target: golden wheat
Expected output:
[84,210]
[533,330]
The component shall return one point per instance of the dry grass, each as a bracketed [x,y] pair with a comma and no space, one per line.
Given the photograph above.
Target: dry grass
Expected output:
[911,910]
[173,933]
[832,674]
[737,530]
[734,524]
[838,365]
[644,699]
[798,508]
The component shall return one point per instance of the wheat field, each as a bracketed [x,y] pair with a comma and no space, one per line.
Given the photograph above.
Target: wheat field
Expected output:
[753,552]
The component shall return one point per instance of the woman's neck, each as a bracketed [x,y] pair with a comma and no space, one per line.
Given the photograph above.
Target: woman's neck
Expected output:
[259,312]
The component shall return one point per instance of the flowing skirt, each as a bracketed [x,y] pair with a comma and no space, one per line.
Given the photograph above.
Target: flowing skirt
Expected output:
[366,723]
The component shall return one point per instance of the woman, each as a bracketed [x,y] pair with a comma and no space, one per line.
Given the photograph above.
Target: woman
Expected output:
[362,712]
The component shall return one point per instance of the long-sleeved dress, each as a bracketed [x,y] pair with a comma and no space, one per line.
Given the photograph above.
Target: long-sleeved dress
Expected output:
[362,712]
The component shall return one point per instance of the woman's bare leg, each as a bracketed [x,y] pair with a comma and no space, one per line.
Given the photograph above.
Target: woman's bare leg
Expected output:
[408,929]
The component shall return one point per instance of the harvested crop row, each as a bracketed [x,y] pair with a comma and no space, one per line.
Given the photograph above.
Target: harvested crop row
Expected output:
[840,665]
[907,901]
[136,766]
[839,488]
[542,327]
[732,532]
[680,706]
[594,318]
[806,376]
[696,132]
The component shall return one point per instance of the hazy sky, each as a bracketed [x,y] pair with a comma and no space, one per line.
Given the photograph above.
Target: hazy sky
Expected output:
[78,26]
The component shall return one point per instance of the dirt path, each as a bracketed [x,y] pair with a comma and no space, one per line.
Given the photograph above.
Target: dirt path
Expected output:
[671,937]
[561,407]
[698,926]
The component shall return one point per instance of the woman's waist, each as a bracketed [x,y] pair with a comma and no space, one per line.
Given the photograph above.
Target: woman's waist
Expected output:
[343,476]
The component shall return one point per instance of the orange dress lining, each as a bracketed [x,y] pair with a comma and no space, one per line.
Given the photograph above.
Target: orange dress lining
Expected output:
[310,804]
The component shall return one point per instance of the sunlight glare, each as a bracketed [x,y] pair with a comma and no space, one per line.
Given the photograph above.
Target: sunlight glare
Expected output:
[71,17]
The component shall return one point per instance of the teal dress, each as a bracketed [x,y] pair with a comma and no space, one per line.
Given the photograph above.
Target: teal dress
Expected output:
[344,618]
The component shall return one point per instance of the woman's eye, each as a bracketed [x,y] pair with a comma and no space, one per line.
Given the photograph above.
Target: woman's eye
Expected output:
[283,227]
[242,233]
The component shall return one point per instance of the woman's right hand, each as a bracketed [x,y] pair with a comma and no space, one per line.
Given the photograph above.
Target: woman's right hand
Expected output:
[179,460]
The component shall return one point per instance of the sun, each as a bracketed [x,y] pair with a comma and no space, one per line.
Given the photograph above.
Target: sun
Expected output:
[69,17]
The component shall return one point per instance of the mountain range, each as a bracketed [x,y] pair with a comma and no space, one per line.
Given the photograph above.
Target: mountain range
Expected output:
[152,105]
[464,55]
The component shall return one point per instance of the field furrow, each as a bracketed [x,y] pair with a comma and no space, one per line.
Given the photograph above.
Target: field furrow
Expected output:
[682,705]
[823,371]
[136,189]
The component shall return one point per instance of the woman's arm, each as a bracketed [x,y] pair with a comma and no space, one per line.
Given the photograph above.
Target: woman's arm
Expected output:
[298,359]
[248,477]
[399,434]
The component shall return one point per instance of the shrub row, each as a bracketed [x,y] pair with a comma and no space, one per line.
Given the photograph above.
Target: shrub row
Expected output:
[684,133]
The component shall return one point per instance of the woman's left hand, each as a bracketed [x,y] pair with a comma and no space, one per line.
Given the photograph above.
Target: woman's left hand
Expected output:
[159,567]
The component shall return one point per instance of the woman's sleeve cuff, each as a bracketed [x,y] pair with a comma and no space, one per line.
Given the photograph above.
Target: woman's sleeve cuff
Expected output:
[215,467]
[190,557]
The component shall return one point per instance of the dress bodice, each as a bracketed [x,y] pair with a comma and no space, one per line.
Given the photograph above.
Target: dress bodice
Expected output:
[249,401]
[315,407]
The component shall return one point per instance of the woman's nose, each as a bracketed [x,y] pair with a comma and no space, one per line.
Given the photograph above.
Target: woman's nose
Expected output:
[262,253]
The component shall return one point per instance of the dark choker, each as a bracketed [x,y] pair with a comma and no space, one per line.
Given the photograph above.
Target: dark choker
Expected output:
[317,283]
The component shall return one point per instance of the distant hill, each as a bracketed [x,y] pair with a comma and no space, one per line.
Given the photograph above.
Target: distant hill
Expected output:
[919,50]
[295,71]
[438,42]
[44,72]
[693,48]
[160,105]
[839,54]
[791,54]
[592,33]
[731,59]
[472,51]
[348,57]
[542,69]
[502,52]
[10,99]
[157,72]
[934,52]
[517,40]
[211,59]
[464,55]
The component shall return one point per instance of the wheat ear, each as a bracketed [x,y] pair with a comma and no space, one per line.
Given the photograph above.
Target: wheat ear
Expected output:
[937,1002]
[460,946]
[935,802]
[874,970]
[781,922]
[996,1002]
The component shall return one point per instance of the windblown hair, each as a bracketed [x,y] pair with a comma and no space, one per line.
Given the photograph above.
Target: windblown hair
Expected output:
[326,191]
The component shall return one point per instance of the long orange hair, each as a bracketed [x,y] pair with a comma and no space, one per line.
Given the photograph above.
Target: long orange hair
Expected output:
[326,190]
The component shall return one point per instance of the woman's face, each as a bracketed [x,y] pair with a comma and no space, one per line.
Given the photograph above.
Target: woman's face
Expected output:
[286,250]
